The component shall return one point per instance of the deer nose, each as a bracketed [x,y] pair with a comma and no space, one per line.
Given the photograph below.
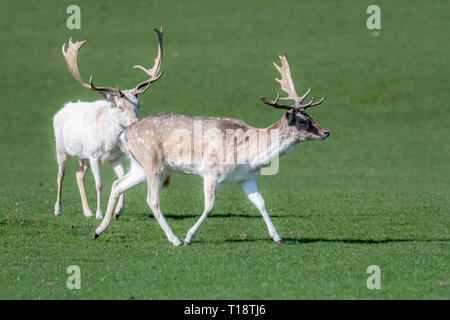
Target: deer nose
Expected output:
[327,133]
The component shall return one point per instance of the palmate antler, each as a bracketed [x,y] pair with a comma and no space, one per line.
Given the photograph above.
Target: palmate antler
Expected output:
[153,72]
[71,56]
[287,85]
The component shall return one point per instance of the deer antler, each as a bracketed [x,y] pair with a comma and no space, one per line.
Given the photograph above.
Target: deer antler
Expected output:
[71,56]
[153,72]
[287,85]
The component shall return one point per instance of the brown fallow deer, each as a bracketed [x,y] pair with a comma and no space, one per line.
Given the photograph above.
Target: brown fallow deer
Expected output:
[90,130]
[154,152]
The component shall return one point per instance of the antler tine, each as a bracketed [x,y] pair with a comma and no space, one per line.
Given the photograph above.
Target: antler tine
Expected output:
[71,57]
[311,104]
[275,103]
[154,71]
[114,90]
[304,106]
[305,95]
[318,102]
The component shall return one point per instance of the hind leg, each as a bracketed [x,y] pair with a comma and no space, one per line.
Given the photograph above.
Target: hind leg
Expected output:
[154,182]
[81,173]
[63,159]
[118,169]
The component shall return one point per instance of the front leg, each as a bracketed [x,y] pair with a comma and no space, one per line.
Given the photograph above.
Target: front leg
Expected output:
[118,169]
[96,170]
[209,186]
[131,179]
[250,188]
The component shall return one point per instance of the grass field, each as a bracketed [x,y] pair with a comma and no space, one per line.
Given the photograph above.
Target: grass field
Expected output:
[375,193]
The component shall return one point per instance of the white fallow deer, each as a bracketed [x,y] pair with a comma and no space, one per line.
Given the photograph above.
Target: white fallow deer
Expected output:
[154,152]
[90,130]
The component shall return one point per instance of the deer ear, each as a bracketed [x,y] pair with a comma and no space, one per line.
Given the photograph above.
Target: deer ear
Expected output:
[290,116]
[107,95]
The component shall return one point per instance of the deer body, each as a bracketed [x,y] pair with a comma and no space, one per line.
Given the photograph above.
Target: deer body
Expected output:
[159,144]
[90,130]
[153,137]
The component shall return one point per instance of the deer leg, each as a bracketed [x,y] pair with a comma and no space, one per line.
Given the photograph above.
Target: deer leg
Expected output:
[154,189]
[251,190]
[81,173]
[209,188]
[118,169]
[96,170]
[128,181]
[63,159]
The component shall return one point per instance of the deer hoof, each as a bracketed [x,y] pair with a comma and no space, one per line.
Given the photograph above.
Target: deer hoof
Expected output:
[95,236]
[176,242]
[58,211]
[88,213]
[279,242]
[116,216]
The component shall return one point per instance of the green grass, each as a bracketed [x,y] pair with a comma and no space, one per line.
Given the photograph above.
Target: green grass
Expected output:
[375,193]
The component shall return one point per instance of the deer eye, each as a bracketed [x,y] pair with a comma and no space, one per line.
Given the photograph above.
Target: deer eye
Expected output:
[303,123]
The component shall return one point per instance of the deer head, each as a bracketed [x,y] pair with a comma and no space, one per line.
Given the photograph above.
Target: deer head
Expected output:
[125,103]
[298,121]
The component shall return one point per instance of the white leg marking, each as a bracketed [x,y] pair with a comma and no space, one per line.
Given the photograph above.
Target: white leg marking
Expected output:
[81,173]
[96,170]
[251,190]
[63,159]
[154,188]
[118,169]
[131,179]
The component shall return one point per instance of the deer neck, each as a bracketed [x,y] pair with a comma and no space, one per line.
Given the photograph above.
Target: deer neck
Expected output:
[106,118]
[274,141]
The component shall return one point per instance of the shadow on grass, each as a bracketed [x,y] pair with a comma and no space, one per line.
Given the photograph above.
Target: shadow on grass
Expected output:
[212,216]
[361,241]
[346,241]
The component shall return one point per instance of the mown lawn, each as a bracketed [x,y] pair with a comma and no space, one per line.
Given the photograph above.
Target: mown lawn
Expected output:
[375,193]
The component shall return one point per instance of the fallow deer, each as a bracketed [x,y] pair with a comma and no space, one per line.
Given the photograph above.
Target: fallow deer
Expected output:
[154,151]
[90,130]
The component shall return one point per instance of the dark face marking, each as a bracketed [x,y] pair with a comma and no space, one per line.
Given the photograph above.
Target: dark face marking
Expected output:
[132,102]
[302,121]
